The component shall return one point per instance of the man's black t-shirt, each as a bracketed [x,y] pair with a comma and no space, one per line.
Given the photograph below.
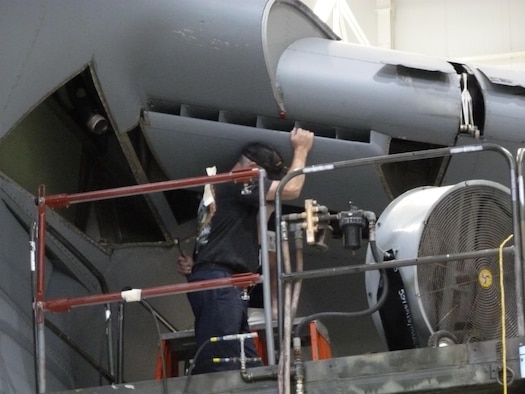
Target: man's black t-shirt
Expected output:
[228,232]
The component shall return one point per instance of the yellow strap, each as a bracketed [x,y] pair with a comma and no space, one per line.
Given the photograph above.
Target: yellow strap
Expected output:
[503,326]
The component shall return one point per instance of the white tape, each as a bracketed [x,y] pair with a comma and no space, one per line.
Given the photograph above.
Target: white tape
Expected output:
[271,241]
[207,197]
[465,149]
[132,295]
[318,168]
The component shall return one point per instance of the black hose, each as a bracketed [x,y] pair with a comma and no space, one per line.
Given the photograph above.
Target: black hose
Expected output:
[192,365]
[163,359]
[362,313]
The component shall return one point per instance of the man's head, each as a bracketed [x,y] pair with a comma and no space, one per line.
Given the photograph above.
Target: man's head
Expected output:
[266,157]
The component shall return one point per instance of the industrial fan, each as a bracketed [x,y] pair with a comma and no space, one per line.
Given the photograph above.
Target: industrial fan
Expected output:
[460,299]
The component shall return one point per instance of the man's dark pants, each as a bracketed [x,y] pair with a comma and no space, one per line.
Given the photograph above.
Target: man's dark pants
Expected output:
[219,312]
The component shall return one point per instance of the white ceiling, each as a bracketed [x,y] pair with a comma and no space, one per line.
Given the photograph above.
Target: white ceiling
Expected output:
[473,31]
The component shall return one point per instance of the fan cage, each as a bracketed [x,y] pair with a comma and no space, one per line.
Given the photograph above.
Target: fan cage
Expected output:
[464,296]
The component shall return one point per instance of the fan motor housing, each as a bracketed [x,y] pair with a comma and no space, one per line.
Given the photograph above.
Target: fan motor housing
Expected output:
[462,297]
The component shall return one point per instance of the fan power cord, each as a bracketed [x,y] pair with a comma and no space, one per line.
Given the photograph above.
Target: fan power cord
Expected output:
[503,327]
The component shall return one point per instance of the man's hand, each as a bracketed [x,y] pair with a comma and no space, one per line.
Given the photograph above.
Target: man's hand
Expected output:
[184,264]
[301,139]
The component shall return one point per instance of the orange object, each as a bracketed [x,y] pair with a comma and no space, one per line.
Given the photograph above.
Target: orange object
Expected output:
[260,346]
[163,350]
[319,341]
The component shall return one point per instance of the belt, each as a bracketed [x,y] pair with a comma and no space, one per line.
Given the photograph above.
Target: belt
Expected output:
[213,267]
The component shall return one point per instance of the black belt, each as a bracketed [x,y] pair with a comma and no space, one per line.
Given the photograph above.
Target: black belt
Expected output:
[213,267]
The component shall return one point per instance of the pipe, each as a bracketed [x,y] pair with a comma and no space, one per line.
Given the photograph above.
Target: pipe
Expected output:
[41,244]
[284,360]
[64,200]
[354,269]
[520,284]
[291,303]
[291,299]
[39,298]
[120,342]
[33,258]
[265,264]
[250,377]
[41,349]
[299,268]
[109,338]
[65,304]
[298,366]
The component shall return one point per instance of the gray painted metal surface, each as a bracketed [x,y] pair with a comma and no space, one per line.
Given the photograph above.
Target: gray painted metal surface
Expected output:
[504,97]
[170,136]
[375,88]
[258,68]
[174,52]
[472,368]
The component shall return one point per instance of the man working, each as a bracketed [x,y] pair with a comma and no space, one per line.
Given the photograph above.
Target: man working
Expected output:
[227,244]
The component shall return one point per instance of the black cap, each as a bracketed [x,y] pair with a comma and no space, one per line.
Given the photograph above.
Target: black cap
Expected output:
[266,157]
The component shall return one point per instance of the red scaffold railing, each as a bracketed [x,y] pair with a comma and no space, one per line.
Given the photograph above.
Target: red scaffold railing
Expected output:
[64,304]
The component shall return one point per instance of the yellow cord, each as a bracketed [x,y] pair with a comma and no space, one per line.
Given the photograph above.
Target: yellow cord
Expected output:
[503,328]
